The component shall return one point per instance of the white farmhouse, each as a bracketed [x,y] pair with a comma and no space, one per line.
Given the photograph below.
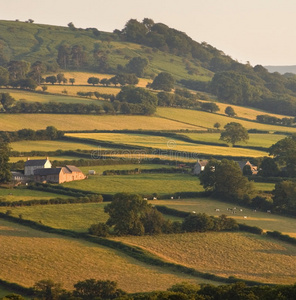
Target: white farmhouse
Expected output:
[34,164]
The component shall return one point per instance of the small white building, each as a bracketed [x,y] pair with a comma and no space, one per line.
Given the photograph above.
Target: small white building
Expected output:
[33,164]
[199,166]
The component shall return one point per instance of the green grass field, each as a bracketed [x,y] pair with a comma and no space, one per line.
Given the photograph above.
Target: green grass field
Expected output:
[69,260]
[243,255]
[206,119]
[139,184]
[168,144]
[17,194]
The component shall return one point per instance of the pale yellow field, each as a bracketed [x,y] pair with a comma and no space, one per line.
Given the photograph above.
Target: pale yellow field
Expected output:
[243,255]
[12,122]
[168,144]
[29,256]
[207,120]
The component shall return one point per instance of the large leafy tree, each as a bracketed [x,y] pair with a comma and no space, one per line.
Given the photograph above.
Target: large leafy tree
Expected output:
[285,195]
[4,76]
[163,81]
[5,174]
[225,179]
[233,133]
[137,65]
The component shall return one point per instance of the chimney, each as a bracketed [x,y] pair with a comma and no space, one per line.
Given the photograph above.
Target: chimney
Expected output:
[28,158]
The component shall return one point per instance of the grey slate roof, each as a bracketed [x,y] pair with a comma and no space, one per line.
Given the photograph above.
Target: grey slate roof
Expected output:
[35,162]
[47,171]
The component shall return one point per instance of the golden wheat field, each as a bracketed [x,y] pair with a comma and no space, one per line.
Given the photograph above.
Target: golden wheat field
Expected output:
[12,122]
[246,256]
[29,256]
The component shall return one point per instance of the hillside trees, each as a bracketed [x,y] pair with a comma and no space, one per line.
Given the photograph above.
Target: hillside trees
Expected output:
[233,133]
[163,81]
[137,65]
[225,179]
[4,76]
[5,174]
[284,197]
[209,106]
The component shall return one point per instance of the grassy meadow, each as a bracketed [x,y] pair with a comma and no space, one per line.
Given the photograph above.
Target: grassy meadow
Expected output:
[69,260]
[243,255]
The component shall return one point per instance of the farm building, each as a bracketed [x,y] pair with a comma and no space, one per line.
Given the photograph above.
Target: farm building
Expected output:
[244,163]
[58,175]
[199,166]
[34,164]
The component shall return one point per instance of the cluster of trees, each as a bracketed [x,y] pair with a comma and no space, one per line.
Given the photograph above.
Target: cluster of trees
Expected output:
[129,214]
[5,174]
[50,133]
[267,119]
[91,289]
[121,79]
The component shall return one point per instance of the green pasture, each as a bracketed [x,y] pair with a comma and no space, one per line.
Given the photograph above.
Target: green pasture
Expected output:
[5,292]
[255,139]
[17,194]
[168,144]
[45,98]
[207,120]
[30,256]
[12,122]
[139,184]
[14,159]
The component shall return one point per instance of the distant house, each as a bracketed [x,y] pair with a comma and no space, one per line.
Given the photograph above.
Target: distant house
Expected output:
[244,163]
[33,164]
[19,177]
[199,166]
[58,175]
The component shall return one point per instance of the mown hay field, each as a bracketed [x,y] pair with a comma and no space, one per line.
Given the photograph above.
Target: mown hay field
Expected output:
[13,159]
[243,255]
[206,119]
[168,144]
[27,146]
[18,194]
[12,122]
[69,260]
[139,184]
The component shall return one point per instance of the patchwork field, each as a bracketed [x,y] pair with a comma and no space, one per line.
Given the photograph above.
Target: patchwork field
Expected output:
[11,122]
[242,255]
[168,144]
[57,258]
[206,119]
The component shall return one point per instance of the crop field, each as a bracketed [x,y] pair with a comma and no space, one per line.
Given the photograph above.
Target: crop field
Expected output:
[27,146]
[255,139]
[12,122]
[138,184]
[14,159]
[246,112]
[243,255]
[68,260]
[18,194]
[44,98]
[206,119]
[167,144]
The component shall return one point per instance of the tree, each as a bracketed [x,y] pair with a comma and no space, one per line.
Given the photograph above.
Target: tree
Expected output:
[48,290]
[163,81]
[233,133]
[137,65]
[100,229]
[93,80]
[217,125]
[72,80]
[225,179]
[4,76]
[37,69]
[229,111]
[6,100]
[198,222]
[51,79]
[285,195]
[268,168]
[125,212]
[92,289]
[64,56]
[210,106]
[61,78]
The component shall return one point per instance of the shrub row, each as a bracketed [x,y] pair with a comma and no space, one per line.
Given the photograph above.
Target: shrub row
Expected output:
[282,237]
[146,171]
